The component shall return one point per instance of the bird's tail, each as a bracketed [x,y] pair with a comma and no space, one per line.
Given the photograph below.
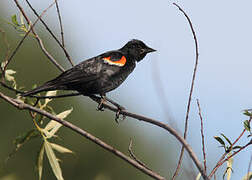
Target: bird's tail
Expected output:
[45,87]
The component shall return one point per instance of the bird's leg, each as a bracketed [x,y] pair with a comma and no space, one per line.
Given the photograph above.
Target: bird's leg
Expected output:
[99,100]
[119,108]
[100,105]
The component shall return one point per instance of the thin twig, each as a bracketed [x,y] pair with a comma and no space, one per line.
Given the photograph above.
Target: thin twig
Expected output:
[49,56]
[141,118]
[191,90]
[133,156]
[87,135]
[202,136]
[48,29]
[221,160]
[165,127]
[132,115]
[10,88]
[26,34]
[61,26]
[149,120]
[232,155]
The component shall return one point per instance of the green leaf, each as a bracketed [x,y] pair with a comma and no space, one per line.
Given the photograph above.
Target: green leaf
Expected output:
[40,160]
[14,20]
[219,140]
[229,142]
[53,160]
[246,125]
[247,113]
[21,140]
[60,148]
[237,147]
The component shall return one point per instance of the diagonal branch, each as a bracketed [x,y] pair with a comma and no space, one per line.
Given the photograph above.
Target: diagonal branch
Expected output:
[60,22]
[21,106]
[126,113]
[133,156]
[22,40]
[49,56]
[191,90]
[49,30]
[202,136]
[165,127]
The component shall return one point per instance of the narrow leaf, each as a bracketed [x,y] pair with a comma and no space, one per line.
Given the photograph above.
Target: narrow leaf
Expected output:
[219,140]
[53,126]
[60,148]
[229,142]
[247,113]
[64,114]
[237,147]
[53,160]
[14,19]
[246,125]
[40,161]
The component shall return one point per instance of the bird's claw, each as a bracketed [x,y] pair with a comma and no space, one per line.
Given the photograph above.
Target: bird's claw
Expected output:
[100,106]
[118,112]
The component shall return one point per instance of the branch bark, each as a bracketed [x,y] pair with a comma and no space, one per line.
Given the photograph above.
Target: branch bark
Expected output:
[191,90]
[20,105]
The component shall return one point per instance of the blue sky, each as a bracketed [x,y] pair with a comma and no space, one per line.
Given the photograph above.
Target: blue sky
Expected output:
[223,83]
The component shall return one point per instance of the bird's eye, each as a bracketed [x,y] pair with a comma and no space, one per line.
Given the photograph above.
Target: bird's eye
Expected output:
[142,51]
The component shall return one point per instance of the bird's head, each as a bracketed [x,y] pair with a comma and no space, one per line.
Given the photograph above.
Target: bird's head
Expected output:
[136,49]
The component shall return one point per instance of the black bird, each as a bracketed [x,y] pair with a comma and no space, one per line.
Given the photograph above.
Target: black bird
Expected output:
[100,74]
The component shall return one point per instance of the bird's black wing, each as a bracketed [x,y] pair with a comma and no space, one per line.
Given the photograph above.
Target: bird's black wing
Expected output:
[82,73]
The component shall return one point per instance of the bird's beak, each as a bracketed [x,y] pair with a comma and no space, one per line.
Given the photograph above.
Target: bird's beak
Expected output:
[148,50]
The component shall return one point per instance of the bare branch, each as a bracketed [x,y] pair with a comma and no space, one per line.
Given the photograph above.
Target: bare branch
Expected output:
[165,127]
[21,106]
[191,90]
[61,26]
[154,122]
[49,56]
[202,136]
[22,40]
[133,156]
[49,30]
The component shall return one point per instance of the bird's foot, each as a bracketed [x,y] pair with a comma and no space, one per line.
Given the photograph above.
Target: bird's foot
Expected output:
[100,106]
[118,113]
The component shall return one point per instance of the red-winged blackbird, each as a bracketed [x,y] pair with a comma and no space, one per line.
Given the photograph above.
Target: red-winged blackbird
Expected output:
[100,74]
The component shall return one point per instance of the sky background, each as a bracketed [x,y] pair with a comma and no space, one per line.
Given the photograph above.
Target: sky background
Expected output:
[223,83]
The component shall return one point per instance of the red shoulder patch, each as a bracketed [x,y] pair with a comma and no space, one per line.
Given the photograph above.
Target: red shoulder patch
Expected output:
[117,62]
